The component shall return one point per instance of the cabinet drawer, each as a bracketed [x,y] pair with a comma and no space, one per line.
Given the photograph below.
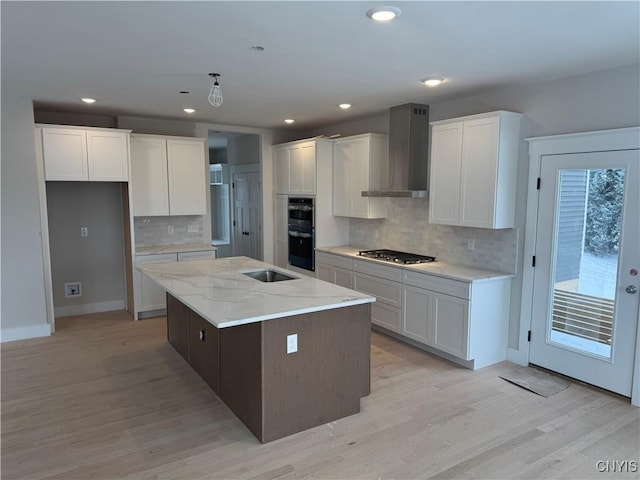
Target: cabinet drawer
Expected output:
[386,316]
[335,260]
[383,271]
[202,255]
[385,291]
[438,284]
[159,258]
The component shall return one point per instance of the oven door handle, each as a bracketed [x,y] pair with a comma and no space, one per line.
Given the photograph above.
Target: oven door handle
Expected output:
[304,208]
[299,234]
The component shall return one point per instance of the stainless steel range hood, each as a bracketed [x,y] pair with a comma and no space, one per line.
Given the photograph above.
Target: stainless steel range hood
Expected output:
[408,150]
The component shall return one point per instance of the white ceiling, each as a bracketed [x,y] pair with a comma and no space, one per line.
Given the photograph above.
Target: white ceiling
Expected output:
[135,57]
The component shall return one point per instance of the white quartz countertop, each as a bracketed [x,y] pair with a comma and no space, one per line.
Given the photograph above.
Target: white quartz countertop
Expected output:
[218,291]
[439,268]
[197,247]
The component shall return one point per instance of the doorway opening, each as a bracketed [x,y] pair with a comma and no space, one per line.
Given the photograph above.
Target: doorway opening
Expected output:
[233,156]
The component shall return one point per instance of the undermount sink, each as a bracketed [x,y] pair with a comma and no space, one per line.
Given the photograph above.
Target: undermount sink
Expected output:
[269,276]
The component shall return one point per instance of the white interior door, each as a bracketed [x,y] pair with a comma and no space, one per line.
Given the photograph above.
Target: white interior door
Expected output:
[585,288]
[246,224]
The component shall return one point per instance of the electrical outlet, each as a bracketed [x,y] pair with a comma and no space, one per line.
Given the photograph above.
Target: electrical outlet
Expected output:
[292,343]
[84,232]
[73,289]
[193,228]
[170,229]
[471,244]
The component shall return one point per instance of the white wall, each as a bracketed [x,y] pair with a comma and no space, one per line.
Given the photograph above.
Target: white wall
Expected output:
[243,149]
[23,309]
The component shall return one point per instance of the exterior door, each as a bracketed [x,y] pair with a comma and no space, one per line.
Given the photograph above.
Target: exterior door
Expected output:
[246,206]
[585,288]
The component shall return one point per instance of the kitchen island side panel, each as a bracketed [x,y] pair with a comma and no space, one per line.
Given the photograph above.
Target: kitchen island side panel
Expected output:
[204,350]
[325,379]
[178,325]
[241,373]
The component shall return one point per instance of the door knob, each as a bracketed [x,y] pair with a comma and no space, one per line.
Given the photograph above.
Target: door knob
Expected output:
[631,289]
[201,335]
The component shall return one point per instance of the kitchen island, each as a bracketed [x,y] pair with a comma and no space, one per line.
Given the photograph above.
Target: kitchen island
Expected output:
[283,355]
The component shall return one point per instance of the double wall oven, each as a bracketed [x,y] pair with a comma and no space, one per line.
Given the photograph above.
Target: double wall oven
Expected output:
[301,226]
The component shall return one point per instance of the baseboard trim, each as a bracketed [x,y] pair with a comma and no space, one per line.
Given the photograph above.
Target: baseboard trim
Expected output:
[88,308]
[458,361]
[23,333]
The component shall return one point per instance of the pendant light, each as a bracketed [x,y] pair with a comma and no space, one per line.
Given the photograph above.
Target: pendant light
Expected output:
[215,94]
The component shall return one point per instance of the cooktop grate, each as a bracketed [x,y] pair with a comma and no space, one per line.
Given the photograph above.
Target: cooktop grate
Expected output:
[396,257]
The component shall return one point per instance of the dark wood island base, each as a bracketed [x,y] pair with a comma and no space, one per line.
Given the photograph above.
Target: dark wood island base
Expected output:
[275,393]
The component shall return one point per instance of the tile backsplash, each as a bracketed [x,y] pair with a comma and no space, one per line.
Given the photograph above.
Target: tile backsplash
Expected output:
[154,231]
[407,228]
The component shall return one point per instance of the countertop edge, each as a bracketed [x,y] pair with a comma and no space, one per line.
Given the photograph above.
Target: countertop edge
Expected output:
[291,313]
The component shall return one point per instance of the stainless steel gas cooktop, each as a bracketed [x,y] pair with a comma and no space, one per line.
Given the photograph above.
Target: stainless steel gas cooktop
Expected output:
[396,257]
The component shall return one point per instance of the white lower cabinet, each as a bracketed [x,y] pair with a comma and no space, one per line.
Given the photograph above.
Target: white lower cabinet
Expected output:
[417,321]
[148,296]
[437,320]
[386,316]
[464,320]
[451,325]
[334,269]
[384,283]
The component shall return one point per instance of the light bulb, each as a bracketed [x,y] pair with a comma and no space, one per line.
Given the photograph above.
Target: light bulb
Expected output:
[215,94]
[383,14]
[432,81]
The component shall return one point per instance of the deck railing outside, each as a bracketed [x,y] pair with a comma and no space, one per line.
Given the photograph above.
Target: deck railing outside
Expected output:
[583,315]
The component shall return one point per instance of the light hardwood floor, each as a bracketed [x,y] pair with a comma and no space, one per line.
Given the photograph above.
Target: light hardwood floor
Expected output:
[106,398]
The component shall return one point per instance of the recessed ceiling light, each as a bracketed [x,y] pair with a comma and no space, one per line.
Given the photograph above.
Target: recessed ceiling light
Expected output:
[383,14]
[289,120]
[345,106]
[189,110]
[432,81]
[88,100]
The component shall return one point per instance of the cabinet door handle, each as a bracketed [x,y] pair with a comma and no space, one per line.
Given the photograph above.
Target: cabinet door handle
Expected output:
[201,335]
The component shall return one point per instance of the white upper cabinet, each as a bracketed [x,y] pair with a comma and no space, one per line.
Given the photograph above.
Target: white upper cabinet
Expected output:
[168,176]
[187,176]
[295,168]
[474,164]
[149,176]
[83,154]
[360,163]
[108,155]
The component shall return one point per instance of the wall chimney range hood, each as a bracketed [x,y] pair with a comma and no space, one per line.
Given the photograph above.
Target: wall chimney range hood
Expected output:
[408,151]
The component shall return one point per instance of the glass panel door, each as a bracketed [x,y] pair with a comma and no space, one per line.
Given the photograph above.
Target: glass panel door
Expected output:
[585,309]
